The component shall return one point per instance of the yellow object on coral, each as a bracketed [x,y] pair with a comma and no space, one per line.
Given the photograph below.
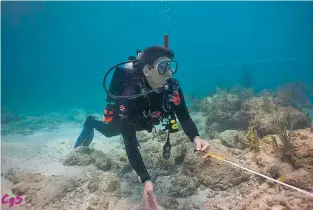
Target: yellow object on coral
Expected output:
[281,179]
[175,126]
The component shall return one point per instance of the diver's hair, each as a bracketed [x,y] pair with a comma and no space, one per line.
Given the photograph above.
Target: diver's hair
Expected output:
[151,54]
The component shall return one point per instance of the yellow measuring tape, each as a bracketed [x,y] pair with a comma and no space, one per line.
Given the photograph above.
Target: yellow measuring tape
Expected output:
[259,174]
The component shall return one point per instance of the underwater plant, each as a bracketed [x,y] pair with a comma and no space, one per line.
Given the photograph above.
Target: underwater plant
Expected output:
[284,125]
[253,139]
[274,141]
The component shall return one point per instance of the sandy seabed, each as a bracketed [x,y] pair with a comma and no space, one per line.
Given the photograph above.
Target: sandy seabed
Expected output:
[44,153]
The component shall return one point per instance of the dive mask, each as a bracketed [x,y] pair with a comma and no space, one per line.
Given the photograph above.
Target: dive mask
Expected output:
[166,65]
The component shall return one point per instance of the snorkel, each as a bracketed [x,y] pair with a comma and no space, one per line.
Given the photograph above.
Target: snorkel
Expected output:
[137,66]
[165,40]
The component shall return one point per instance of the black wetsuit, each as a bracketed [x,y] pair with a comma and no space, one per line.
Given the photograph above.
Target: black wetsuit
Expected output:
[129,118]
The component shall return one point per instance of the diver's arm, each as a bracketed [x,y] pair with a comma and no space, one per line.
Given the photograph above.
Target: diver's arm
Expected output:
[128,132]
[133,153]
[184,118]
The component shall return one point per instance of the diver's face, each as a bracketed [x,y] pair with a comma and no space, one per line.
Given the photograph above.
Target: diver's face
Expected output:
[159,73]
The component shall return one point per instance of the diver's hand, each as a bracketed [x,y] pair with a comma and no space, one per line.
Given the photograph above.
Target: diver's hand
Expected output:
[150,202]
[201,145]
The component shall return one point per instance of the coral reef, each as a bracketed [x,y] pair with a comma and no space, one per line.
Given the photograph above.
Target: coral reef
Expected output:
[295,94]
[108,182]
[207,175]
[302,149]
[265,133]
[40,190]
[83,156]
[223,112]
[239,109]
[262,114]
[190,183]
[98,203]
[233,139]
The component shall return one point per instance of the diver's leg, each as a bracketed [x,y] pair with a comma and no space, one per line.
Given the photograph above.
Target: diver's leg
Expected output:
[107,129]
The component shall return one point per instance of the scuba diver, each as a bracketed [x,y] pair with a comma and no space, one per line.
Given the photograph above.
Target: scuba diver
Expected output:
[140,96]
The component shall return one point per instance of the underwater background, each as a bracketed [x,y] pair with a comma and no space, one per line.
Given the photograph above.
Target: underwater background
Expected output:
[246,70]
[55,54]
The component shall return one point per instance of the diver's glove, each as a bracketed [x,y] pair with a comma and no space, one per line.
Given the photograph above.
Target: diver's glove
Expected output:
[87,134]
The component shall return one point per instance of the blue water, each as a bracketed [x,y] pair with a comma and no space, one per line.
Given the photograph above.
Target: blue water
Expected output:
[54,54]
